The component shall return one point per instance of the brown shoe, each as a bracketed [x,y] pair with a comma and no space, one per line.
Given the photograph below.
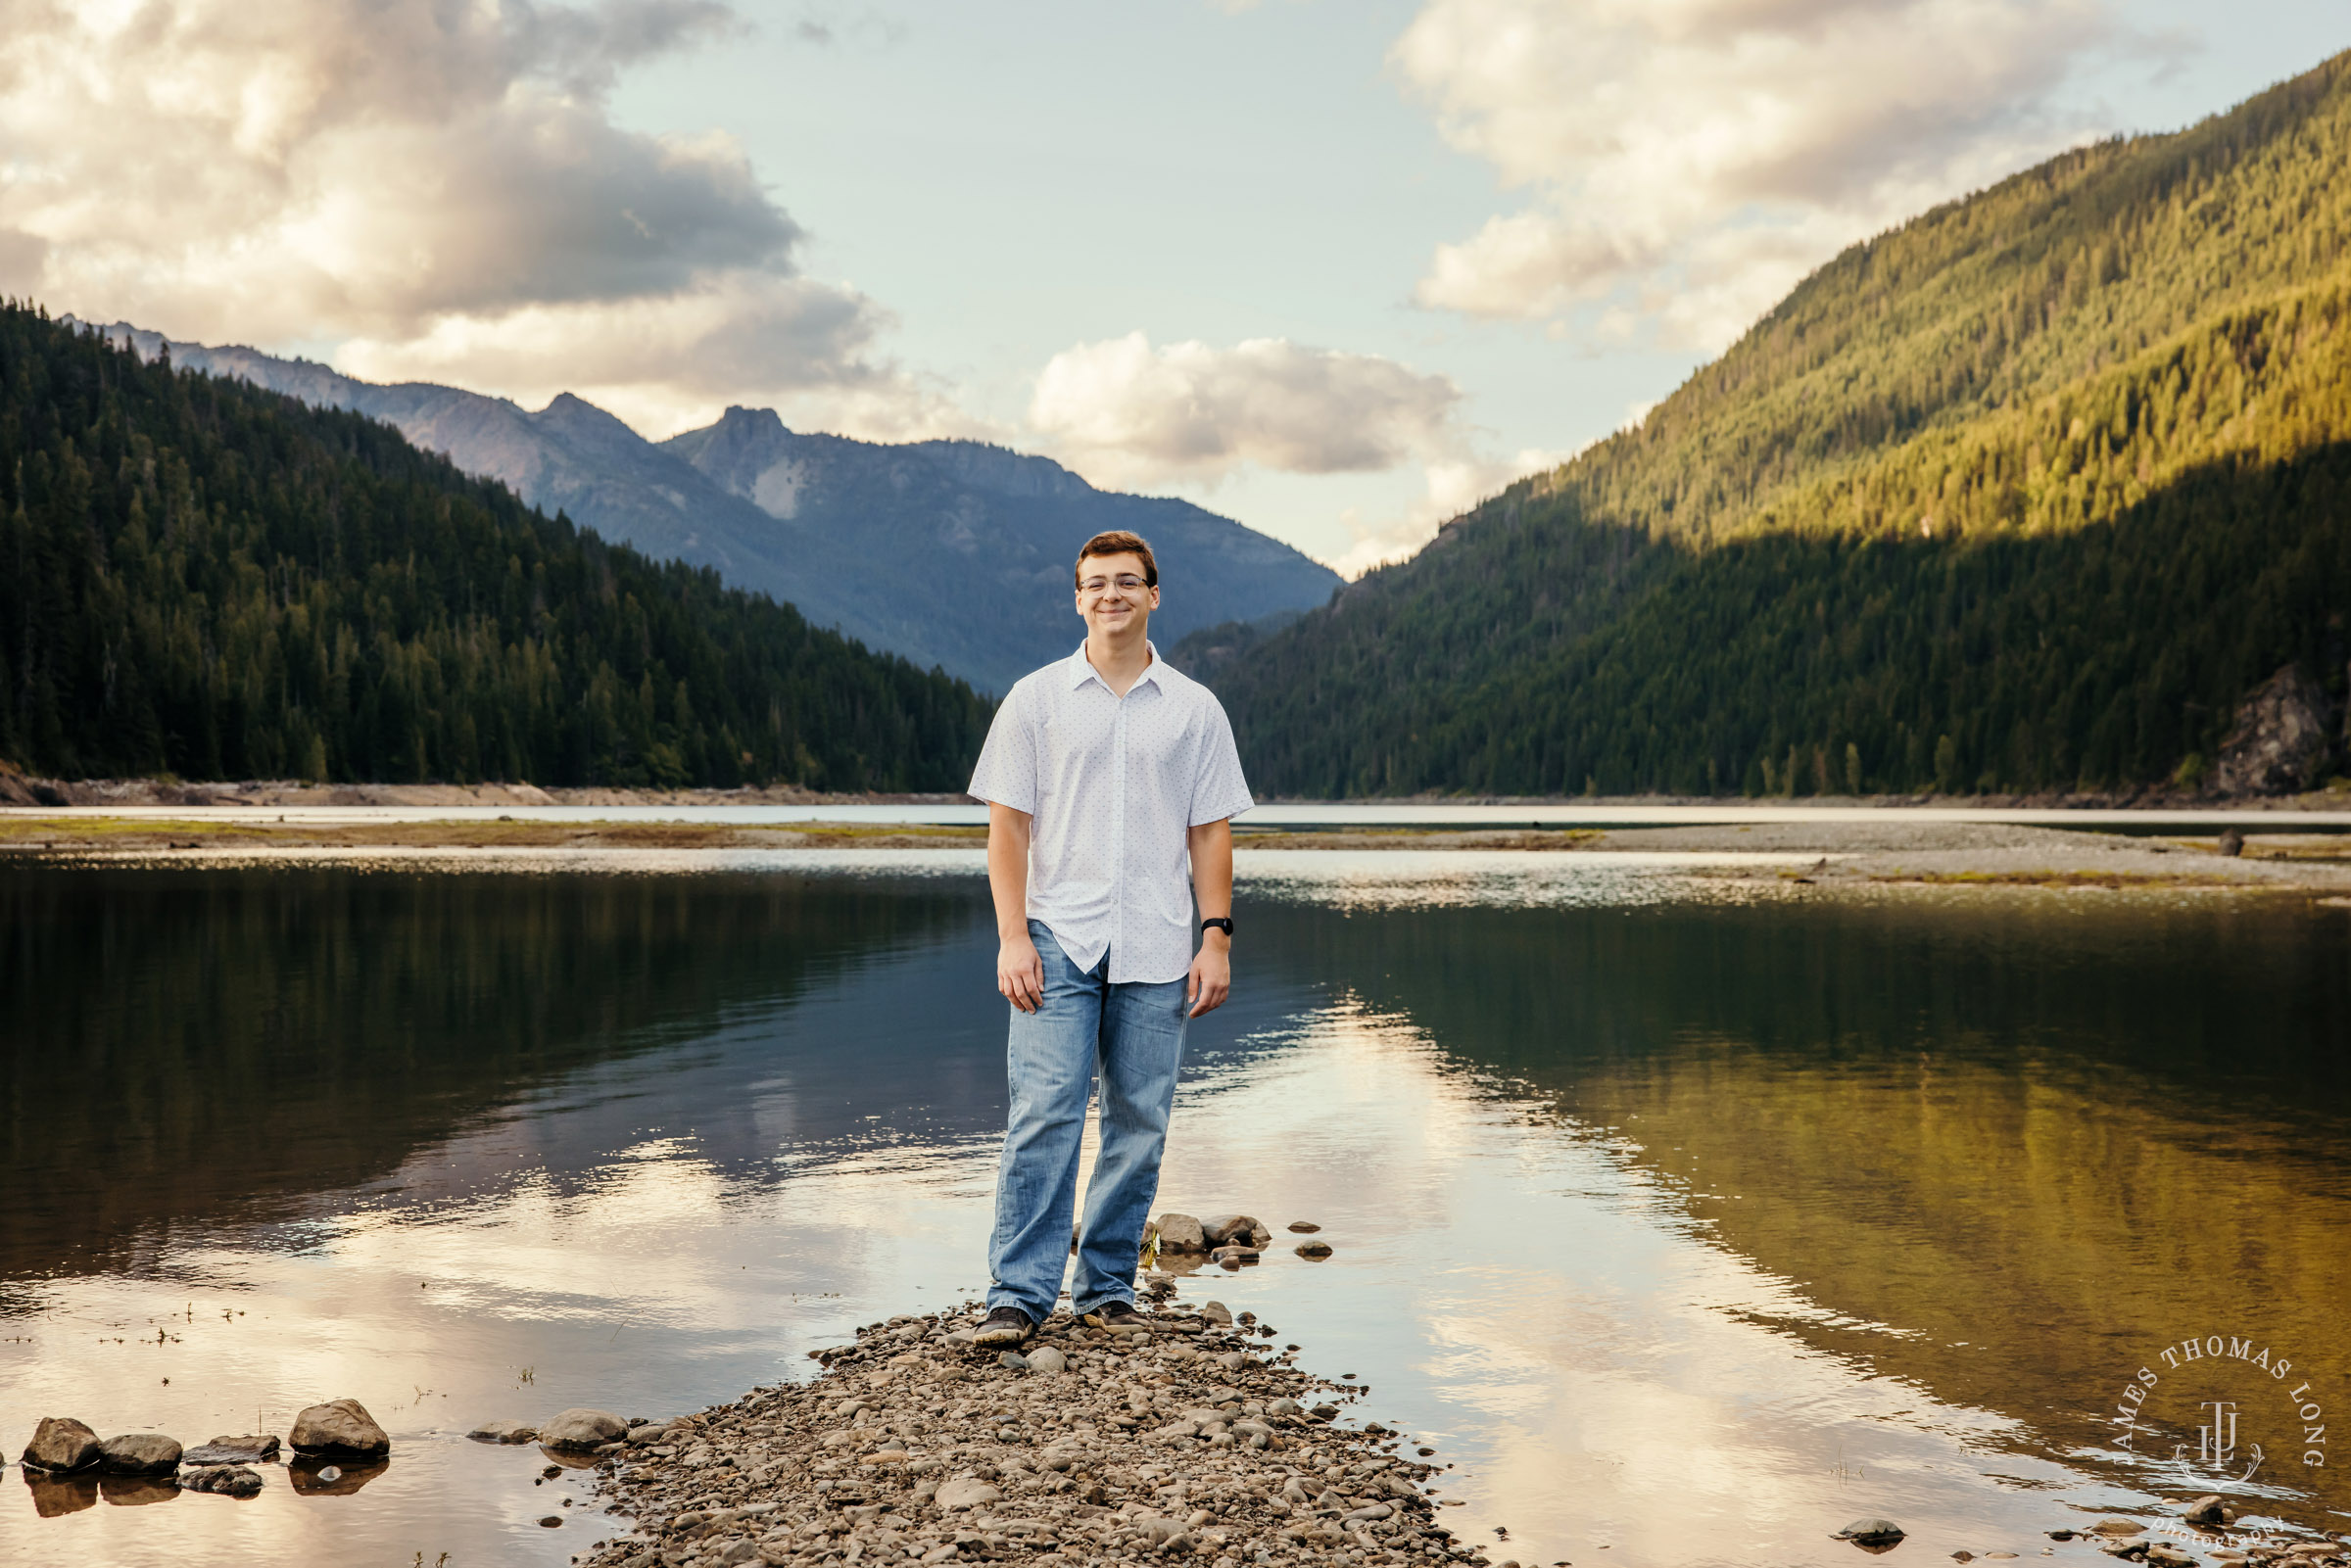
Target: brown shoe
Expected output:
[1118,1317]
[1006,1325]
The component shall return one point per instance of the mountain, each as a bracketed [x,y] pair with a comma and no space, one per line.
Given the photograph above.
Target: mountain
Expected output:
[951,553]
[217,581]
[967,549]
[2025,495]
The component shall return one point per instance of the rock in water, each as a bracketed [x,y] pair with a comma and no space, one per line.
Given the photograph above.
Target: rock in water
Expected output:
[1304,1227]
[1318,1248]
[2232,843]
[1217,1313]
[1226,1228]
[2209,1510]
[2281,737]
[579,1428]
[139,1453]
[228,1479]
[1181,1233]
[1871,1533]
[340,1427]
[61,1445]
[504,1432]
[256,1450]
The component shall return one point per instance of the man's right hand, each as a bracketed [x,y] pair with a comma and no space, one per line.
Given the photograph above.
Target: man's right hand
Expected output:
[1020,974]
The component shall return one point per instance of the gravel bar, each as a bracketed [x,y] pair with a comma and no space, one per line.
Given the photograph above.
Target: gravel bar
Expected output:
[1196,1437]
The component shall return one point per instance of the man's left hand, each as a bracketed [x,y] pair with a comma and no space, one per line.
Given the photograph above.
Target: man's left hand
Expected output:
[1211,978]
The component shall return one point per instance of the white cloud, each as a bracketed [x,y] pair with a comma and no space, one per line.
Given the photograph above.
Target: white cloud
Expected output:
[1452,486]
[1127,413]
[1692,159]
[437,185]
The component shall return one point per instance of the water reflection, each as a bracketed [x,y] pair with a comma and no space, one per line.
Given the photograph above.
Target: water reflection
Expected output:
[191,1045]
[1690,1226]
[2009,1148]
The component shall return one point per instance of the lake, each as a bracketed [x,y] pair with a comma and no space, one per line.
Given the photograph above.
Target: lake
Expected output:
[1688,1219]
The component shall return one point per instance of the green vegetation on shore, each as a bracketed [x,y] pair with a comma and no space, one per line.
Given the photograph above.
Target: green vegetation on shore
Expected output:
[209,580]
[2023,496]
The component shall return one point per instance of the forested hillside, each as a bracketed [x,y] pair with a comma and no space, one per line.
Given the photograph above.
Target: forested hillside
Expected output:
[2025,495]
[201,578]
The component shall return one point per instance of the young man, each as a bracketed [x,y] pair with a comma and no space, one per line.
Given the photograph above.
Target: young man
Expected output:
[1104,773]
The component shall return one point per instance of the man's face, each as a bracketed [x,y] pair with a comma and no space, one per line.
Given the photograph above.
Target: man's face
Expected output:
[1112,594]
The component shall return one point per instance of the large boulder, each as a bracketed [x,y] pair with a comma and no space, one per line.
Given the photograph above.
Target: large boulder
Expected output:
[340,1427]
[2282,741]
[61,1445]
[139,1453]
[1181,1233]
[581,1429]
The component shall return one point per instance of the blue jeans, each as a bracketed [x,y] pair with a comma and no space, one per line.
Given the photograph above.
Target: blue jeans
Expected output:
[1132,1036]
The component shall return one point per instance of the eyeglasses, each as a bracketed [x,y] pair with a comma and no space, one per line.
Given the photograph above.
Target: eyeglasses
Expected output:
[1124,583]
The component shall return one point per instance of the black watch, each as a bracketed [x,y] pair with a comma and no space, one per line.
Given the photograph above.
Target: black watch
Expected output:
[1222,923]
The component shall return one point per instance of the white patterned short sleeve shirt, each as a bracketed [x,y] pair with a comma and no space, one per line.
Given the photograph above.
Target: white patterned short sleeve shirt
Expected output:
[1112,784]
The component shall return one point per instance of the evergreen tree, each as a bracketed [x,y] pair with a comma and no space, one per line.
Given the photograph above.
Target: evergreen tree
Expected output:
[2025,495]
[204,578]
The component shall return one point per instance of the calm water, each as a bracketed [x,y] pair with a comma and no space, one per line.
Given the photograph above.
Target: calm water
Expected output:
[1688,1219]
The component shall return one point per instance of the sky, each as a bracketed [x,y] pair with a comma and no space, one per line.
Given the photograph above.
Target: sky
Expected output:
[1335,267]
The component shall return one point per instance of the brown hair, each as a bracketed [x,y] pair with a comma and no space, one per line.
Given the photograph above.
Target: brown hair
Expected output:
[1119,541]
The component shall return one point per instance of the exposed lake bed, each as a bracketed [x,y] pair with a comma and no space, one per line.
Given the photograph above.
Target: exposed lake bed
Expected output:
[1689,1210]
[1889,848]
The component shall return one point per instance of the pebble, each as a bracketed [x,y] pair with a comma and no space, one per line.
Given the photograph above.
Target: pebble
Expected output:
[1304,1227]
[1313,1249]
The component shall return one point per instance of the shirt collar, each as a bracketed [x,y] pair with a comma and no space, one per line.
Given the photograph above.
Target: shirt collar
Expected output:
[1081,670]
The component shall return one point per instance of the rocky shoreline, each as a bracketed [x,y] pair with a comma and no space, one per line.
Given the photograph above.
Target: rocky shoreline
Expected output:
[1195,1436]
[1190,1435]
